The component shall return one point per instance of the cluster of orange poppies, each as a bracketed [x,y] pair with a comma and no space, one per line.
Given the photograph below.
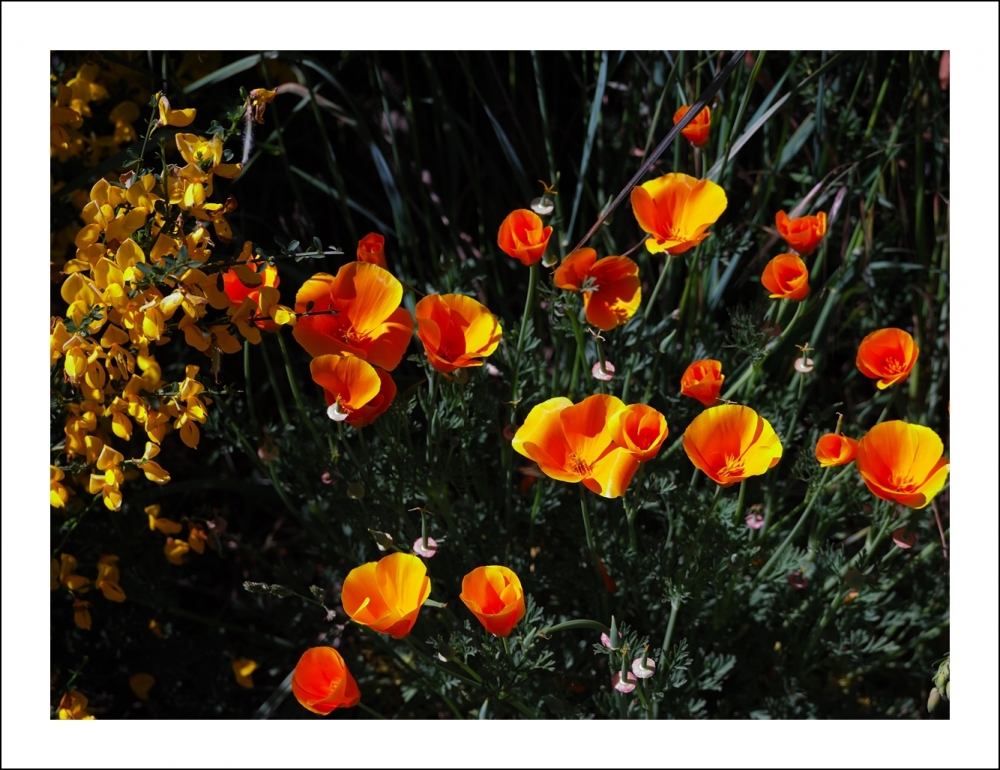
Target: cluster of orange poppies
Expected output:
[357,331]
[386,596]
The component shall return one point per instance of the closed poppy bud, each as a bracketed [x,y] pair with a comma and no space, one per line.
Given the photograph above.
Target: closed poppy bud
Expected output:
[364,320]
[802,234]
[730,443]
[522,236]
[903,463]
[702,380]
[834,449]
[493,594]
[371,248]
[610,286]
[640,429]
[677,210]
[457,331]
[887,355]
[697,130]
[387,595]
[786,277]
[141,685]
[322,683]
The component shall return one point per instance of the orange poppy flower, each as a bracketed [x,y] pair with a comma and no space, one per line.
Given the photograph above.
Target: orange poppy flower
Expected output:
[456,331]
[365,415]
[835,449]
[523,237]
[575,444]
[802,234]
[371,248]
[697,130]
[368,322]
[348,383]
[237,291]
[888,354]
[676,210]
[611,288]
[702,380]
[322,683]
[494,596]
[902,462]
[640,429]
[387,595]
[786,277]
[730,443]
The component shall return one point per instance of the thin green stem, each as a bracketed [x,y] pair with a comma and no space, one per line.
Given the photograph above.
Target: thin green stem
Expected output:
[739,502]
[795,530]
[370,711]
[248,389]
[296,394]
[274,385]
[675,606]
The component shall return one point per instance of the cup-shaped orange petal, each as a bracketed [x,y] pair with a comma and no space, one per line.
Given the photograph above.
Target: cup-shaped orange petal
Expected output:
[358,314]
[457,331]
[903,462]
[887,355]
[322,683]
[730,443]
[574,443]
[387,595]
[493,594]
[611,288]
[697,130]
[677,210]
[786,277]
[802,234]
[379,403]
[348,383]
[640,429]
[702,380]
[523,236]
[835,449]
[371,248]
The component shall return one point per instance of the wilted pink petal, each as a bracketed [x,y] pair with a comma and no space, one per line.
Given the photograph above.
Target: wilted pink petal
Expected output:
[492,371]
[798,580]
[606,640]
[326,478]
[803,365]
[604,374]
[429,551]
[627,686]
[755,520]
[508,432]
[643,670]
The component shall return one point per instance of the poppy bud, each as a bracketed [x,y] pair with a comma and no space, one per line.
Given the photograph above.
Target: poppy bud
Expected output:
[615,640]
[322,683]
[786,277]
[382,539]
[494,595]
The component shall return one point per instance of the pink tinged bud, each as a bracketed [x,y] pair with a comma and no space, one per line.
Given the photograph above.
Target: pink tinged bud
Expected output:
[429,551]
[797,580]
[755,520]
[643,669]
[904,538]
[627,686]
[606,641]
[605,373]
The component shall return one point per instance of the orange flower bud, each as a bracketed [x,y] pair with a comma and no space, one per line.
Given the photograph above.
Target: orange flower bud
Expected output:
[888,354]
[731,443]
[677,210]
[802,234]
[902,462]
[371,248]
[786,277]
[322,683]
[457,331]
[493,594]
[640,429]
[387,595]
[702,380]
[697,130]
[523,237]
[834,449]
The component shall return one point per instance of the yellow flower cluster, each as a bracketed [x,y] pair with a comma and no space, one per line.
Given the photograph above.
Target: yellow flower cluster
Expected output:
[107,582]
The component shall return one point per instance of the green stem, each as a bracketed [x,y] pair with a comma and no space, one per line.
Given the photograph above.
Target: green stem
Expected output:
[296,394]
[529,302]
[581,355]
[248,389]
[795,530]
[274,385]
[650,304]
[675,605]
[568,625]
[589,533]
[739,502]
[371,711]
[600,362]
